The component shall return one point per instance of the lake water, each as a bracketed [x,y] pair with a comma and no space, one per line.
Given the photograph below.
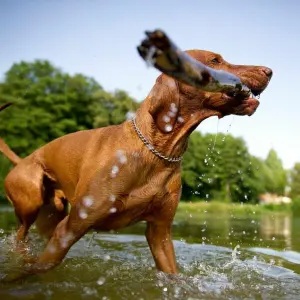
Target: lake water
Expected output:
[220,256]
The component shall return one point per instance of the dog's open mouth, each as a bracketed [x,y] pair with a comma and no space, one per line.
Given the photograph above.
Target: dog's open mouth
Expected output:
[244,104]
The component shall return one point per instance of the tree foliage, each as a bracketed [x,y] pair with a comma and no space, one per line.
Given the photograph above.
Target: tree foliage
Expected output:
[295,181]
[221,167]
[51,103]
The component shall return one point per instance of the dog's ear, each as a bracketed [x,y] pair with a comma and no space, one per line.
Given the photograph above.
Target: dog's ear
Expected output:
[165,103]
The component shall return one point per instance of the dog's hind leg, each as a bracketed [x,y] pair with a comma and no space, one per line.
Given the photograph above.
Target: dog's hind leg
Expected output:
[51,213]
[24,188]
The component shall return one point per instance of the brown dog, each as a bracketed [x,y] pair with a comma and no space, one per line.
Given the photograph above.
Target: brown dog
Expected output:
[119,175]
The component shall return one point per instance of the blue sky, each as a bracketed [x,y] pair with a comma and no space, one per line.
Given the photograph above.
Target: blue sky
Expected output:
[99,39]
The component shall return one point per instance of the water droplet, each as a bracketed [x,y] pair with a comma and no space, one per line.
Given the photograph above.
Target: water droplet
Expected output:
[135,154]
[168,127]
[87,201]
[66,239]
[112,198]
[113,210]
[114,170]
[106,257]
[101,281]
[166,119]
[121,157]
[165,289]
[130,115]
[51,248]
[173,107]
[171,114]
[180,119]
[82,213]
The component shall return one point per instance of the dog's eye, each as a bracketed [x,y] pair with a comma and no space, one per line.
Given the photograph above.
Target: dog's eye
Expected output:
[215,61]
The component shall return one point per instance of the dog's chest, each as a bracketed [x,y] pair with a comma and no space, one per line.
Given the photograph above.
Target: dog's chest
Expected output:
[136,203]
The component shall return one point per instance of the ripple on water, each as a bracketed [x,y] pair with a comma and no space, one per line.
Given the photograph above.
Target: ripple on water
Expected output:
[207,272]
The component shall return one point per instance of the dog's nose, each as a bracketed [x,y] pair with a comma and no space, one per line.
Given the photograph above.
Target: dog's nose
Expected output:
[267,71]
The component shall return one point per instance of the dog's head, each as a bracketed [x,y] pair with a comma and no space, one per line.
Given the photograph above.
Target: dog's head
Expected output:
[256,78]
[173,102]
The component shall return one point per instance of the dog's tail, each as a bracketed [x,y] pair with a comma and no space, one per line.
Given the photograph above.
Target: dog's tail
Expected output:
[12,156]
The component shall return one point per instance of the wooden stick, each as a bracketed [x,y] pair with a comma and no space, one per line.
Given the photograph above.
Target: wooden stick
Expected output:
[158,50]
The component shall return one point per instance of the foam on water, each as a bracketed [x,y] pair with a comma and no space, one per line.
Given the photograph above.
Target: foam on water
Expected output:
[207,272]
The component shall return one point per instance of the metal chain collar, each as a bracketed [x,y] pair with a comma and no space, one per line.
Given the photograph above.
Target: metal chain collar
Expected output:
[151,148]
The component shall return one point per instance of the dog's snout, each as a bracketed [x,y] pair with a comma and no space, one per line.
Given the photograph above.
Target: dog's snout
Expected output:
[267,71]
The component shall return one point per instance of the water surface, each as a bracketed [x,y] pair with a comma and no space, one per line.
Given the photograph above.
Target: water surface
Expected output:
[220,256]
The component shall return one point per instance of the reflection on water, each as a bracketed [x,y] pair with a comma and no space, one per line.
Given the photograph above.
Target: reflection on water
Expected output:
[219,257]
[271,227]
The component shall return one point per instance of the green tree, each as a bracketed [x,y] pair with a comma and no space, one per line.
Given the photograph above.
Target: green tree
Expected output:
[194,167]
[112,108]
[5,166]
[233,169]
[295,181]
[50,103]
[276,176]
[221,168]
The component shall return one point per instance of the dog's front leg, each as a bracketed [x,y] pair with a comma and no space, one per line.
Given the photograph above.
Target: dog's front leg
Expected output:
[66,234]
[160,242]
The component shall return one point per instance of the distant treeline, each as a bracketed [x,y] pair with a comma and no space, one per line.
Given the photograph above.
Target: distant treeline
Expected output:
[50,103]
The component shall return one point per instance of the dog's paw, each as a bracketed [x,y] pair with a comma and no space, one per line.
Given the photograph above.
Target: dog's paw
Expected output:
[159,39]
[155,48]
